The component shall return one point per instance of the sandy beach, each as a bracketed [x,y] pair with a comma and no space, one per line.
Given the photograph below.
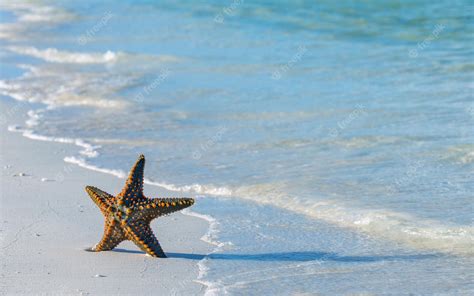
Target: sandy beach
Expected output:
[48,220]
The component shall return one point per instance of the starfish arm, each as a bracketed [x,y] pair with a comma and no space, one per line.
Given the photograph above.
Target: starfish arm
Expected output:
[157,207]
[152,208]
[141,234]
[101,198]
[133,190]
[113,235]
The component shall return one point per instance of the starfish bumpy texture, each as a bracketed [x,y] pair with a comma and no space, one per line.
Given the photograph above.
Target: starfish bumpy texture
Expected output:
[128,215]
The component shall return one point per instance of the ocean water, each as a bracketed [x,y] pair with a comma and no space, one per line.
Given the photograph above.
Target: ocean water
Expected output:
[330,144]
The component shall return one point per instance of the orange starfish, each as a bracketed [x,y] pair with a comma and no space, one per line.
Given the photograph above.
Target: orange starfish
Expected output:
[128,215]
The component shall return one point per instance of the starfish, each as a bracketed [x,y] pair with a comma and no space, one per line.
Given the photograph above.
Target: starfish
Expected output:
[129,214]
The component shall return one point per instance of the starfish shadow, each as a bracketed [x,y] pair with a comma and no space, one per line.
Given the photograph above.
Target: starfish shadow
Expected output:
[119,250]
[291,256]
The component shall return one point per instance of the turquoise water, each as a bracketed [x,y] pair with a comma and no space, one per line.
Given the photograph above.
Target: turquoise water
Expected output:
[334,137]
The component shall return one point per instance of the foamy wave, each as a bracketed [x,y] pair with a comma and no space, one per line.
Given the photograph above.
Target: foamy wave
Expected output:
[195,188]
[28,11]
[60,86]
[45,14]
[83,163]
[29,17]
[71,100]
[212,288]
[88,150]
[468,158]
[417,233]
[365,142]
[33,118]
[54,55]
[463,154]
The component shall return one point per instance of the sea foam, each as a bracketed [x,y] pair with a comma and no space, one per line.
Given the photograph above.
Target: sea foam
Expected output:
[210,237]
[29,17]
[399,227]
[63,86]
[54,55]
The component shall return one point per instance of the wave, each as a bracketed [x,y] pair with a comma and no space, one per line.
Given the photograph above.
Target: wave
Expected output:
[62,86]
[195,188]
[212,288]
[54,55]
[67,80]
[34,12]
[462,154]
[199,189]
[394,226]
[30,17]
[87,149]
[83,163]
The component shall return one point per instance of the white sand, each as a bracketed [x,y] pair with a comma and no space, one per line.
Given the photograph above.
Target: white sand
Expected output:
[47,221]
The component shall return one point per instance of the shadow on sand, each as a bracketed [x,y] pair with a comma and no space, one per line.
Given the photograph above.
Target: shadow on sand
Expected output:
[292,256]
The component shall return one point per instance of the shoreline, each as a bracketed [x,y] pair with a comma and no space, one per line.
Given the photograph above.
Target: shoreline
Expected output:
[48,219]
[432,236]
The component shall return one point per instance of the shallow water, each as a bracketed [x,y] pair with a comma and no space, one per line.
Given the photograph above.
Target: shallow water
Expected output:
[281,253]
[354,117]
